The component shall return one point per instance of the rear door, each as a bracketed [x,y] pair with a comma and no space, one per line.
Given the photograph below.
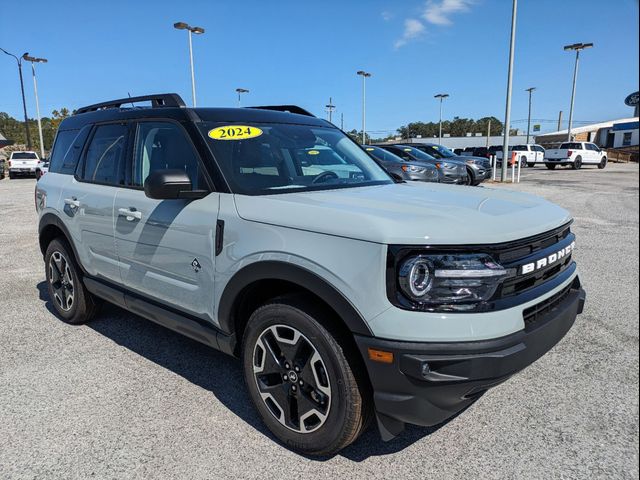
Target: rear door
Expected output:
[87,200]
[166,248]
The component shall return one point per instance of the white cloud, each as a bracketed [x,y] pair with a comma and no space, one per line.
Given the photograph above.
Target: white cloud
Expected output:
[386,15]
[438,12]
[412,29]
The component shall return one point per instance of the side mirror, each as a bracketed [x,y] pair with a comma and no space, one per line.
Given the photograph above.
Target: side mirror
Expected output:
[170,184]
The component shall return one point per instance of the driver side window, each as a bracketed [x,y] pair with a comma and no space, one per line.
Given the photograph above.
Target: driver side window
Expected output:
[164,145]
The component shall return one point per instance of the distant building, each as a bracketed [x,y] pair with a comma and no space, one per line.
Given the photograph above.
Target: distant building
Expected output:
[467,141]
[621,133]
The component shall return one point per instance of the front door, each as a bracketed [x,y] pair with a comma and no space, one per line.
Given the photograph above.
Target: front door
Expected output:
[166,247]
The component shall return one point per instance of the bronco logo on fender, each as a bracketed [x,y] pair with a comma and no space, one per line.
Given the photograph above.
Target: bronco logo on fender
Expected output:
[548,261]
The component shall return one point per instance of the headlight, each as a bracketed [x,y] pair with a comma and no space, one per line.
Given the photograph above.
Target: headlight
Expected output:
[471,162]
[412,169]
[449,282]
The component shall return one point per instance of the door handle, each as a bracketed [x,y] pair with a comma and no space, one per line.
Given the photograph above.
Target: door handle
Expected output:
[130,214]
[72,202]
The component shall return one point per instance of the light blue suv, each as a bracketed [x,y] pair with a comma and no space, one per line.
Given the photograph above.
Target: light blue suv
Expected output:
[270,235]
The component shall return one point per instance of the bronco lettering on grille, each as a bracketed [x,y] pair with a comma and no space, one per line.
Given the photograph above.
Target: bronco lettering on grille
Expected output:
[548,261]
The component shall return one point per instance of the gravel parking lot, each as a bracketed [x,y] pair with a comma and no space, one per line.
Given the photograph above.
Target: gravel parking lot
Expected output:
[124,398]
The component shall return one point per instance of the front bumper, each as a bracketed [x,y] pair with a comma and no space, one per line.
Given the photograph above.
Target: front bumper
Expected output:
[427,383]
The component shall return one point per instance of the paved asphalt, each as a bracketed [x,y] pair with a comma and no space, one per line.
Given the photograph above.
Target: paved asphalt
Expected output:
[124,398]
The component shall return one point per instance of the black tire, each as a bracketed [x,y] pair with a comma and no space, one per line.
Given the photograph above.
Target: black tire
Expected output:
[577,163]
[469,180]
[550,166]
[38,174]
[64,277]
[341,401]
[11,175]
[603,163]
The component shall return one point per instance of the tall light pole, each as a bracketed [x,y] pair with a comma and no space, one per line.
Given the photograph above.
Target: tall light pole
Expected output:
[240,91]
[507,115]
[441,96]
[530,90]
[330,108]
[197,31]
[24,103]
[577,47]
[33,61]
[364,76]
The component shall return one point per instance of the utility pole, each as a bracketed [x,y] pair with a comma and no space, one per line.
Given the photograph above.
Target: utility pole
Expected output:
[342,122]
[507,115]
[24,103]
[364,76]
[560,120]
[330,108]
[240,91]
[530,90]
[440,96]
[197,31]
[577,47]
[488,133]
[33,61]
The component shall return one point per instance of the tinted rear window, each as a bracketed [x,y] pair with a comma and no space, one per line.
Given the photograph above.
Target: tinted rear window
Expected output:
[24,156]
[573,146]
[63,142]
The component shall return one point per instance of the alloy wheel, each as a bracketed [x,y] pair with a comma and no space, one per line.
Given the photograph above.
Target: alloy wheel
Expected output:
[61,281]
[292,378]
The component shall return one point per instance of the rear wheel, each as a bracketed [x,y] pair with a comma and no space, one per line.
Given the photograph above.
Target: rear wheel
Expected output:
[550,166]
[577,163]
[603,163]
[300,380]
[72,301]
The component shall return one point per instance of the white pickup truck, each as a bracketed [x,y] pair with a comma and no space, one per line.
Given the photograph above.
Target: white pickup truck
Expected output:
[528,155]
[576,154]
[22,163]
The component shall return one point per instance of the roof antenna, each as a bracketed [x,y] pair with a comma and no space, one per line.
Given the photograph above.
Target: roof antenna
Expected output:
[131,102]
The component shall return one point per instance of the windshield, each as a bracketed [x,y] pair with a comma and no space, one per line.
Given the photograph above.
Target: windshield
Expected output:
[263,159]
[24,156]
[418,154]
[383,155]
[439,151]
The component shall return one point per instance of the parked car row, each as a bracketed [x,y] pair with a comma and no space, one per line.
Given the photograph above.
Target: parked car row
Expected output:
[573,154]
[431,163]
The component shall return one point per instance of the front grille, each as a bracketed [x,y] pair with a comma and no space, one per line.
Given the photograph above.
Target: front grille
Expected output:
[533,315]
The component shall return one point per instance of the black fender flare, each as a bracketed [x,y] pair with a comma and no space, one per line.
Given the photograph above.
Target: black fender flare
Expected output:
[51,219]
[278,270]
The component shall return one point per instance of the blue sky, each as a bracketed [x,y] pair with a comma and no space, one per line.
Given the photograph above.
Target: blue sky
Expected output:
[303,52]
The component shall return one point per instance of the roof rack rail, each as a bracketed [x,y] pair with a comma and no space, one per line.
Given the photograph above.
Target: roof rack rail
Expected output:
[286,108]
[159,100]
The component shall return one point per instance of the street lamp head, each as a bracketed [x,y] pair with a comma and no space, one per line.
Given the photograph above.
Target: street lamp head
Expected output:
[242,90]
[34,59]
[197,30]
[530,89]
[441,95]
[363,73]
[180,26]
[578,46]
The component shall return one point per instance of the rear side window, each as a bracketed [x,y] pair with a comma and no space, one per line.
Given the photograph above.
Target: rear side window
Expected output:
[104,159]
[64,140]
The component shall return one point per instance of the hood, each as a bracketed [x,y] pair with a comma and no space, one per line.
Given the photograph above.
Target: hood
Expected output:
[413,213]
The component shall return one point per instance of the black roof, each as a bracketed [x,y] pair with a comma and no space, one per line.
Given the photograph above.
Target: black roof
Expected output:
[172,107]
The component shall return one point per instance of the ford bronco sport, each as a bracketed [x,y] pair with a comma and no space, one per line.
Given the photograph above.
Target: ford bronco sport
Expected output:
[268,234]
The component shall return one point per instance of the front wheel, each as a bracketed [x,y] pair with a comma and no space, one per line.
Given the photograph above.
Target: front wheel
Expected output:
[603,163]
[300,380]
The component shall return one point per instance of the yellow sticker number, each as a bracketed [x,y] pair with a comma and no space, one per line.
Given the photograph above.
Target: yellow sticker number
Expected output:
[370,149]
[313,152]
[235,132]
